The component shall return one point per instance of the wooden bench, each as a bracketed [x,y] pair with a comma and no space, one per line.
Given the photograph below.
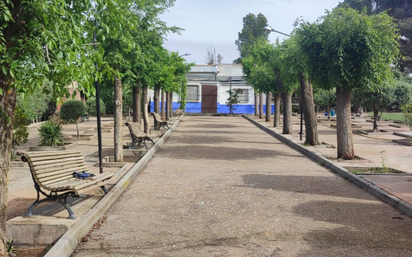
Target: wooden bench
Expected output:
[138,136]
[158,122]
[53,176]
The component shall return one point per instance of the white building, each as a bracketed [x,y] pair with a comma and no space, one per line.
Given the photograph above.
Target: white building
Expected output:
[208,86]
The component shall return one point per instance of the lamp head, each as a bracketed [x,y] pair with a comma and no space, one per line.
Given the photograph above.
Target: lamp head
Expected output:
[268,28]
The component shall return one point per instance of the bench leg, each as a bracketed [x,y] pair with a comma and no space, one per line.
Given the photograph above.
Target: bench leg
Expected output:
[33,205]
[30,210]
[104,189]
[63,201]
[144,143]
[133,143]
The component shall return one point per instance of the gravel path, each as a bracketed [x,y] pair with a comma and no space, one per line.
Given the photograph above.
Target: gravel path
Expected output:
[222,187]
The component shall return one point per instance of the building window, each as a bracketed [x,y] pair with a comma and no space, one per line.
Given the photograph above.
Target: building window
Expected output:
[192,94]
[244,96]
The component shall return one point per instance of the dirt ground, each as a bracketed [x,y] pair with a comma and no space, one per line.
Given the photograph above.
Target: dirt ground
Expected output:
[222,187]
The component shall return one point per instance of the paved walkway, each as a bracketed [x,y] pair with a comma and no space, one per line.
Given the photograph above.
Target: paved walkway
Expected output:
[222,187]
[373,150]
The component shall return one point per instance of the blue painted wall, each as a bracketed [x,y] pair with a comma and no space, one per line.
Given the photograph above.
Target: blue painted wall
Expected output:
[221,108]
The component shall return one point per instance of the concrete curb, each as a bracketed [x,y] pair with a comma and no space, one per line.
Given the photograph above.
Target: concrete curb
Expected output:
[358,181]
[69,241]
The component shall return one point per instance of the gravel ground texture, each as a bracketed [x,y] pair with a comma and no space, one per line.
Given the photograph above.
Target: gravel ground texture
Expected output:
[222,187]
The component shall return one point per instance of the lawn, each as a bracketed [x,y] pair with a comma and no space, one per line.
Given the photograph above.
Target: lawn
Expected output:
[396,116]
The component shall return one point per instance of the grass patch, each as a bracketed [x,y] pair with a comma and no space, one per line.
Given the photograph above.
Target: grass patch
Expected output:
[395,116]
[375,170]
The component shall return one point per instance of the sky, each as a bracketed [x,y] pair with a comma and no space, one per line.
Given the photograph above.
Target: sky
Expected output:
[216,23]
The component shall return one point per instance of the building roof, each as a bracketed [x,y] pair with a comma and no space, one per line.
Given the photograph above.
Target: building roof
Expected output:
[204,69]
[228,70]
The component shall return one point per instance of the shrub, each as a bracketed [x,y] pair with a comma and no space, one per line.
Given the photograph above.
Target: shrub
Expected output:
[91,106]
[407,112]
[51,134]
[72,110]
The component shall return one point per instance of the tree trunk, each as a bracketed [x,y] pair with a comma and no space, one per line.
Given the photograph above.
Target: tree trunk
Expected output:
[256,102]
[145,110]
[343,124]
[118,118]
[156,98]
[276,116]
[375,120]
[268,106]
[170,104]
[309,114]
[137,104]
[167,105]
[163,104]
[7,106]
[287,113]
[260,105]
[77,129]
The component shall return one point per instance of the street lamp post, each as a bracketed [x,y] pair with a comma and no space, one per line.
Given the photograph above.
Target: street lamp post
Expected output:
[99,128]
[301,105]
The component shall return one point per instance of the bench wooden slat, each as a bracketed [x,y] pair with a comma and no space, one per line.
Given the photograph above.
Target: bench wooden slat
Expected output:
[56,179]
[77,184]
[43,169]
[56,168]
[57,161]
[79,169]
[52,157]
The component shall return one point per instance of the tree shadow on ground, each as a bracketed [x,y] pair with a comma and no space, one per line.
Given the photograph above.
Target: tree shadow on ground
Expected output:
[193,139]
[315,185]
[20,206]
[190,152]
[372,228]
[200,132]
[210,125]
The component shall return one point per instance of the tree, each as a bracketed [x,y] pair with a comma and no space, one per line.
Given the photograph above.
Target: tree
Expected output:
[293,71]
[401,11]
[258,71]
[72,110]
[378,101]
[325,98]
[219,58]
[20,134]
[212,57]
[38,39]
[402,94]
[129,53]
[407,112]
[51,39]
[233,99]
[35,104]
[91,106]
[253,30]
[347,50]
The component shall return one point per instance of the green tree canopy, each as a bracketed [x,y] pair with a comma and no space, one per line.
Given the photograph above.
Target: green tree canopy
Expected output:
[401,11]
[253,30]
[349,50]
[259,65]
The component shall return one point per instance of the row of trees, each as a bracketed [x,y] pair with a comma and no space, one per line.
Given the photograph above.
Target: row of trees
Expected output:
[56,40]
[345,51]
